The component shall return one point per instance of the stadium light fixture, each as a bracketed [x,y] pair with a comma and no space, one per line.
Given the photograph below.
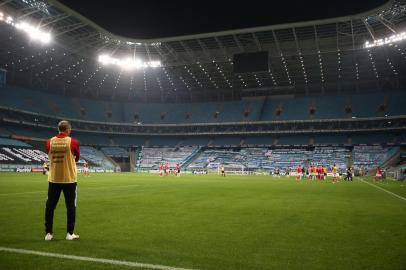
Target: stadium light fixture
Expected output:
[34,32]
[127,63]
[387,40]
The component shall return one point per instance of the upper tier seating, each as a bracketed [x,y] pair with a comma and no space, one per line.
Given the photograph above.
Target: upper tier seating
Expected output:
[247,109]
[12,142]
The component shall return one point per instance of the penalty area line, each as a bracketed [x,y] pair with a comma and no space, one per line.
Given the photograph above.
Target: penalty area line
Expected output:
[384,190]
[91,259]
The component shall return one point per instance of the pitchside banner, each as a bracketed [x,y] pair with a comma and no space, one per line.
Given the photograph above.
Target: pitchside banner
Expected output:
[2,78]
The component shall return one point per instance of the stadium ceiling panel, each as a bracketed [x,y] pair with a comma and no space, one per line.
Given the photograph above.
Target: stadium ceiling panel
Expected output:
[305,57]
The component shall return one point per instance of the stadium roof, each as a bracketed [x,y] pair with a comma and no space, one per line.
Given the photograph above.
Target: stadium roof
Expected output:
[306,57]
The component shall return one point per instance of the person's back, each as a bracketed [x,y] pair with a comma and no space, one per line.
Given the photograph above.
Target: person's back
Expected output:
[62,161]
[63,153]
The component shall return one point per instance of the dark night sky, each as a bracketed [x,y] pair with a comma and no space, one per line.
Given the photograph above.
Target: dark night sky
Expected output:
[153,19]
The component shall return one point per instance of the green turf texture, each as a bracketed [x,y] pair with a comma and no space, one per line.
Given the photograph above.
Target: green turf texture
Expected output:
[208,222]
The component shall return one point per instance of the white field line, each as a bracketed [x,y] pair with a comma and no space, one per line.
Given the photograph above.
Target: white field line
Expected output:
[91,259]
[384,190]
[80,189]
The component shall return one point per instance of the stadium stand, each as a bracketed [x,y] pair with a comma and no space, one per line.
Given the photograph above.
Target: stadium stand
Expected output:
[291,108]
[115,152]
[12,142]
[150,158]
[369,157]
[328,156]
[265,159]
[96,158]
[24,155]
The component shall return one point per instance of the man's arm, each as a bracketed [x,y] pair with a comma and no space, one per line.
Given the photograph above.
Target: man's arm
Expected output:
[48,145]
[74,148]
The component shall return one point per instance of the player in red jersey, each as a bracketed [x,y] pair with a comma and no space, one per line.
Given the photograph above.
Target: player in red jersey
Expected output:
[299,173]
[161,169]
[166,169]
[319,173]
[378,175]
[86,168]
[313,172]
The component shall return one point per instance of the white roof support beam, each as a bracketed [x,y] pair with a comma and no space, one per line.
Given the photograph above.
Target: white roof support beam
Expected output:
[369,29]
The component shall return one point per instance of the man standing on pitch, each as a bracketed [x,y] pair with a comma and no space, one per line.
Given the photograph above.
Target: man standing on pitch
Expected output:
[63,153]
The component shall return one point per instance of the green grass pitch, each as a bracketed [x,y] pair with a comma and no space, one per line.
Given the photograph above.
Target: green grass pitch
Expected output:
[208,222]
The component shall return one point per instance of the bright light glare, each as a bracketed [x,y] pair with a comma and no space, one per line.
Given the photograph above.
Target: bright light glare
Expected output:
[127,63]
[387,40]
[34,32]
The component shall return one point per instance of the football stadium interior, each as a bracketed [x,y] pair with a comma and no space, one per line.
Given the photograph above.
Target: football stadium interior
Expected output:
[256,102]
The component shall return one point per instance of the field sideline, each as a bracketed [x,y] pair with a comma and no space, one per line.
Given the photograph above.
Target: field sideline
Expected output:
[208,222]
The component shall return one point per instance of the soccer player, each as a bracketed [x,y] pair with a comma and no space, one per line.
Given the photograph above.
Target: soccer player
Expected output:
[319,170]
[348,176]
[335,174]
[86,168]
[223,172]
[166,169]
[378,175]
[161,169]
[63,153]
[298,173]
[177,170]
[313,171]
[324,172]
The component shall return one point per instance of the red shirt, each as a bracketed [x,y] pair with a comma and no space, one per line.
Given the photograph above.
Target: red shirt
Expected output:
[74,145]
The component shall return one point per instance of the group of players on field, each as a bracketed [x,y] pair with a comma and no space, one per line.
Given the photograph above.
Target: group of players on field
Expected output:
[319,172]
[164,169]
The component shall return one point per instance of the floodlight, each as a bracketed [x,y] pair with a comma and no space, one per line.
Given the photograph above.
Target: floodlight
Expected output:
[35,33]
[128,63]
[387,40]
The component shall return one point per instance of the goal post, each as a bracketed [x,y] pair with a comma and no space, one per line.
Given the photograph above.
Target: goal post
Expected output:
[233,170]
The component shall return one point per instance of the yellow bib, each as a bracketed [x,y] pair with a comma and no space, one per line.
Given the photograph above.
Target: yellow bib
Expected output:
[62,167]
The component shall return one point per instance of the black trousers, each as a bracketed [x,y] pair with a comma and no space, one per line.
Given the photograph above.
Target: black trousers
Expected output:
[70,194]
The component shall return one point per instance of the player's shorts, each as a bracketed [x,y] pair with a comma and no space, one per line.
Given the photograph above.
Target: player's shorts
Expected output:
[378,175]
[222,171]
[335,174]
[178,171]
